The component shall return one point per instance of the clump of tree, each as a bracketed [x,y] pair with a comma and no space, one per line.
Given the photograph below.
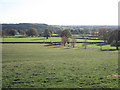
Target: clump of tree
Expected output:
[11,32]
[80,31]
[32,32]
[103,34]
[114,38]
[65,35]
[47,33]
[110,36]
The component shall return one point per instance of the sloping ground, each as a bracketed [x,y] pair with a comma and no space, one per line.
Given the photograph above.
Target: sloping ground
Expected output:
[43,66]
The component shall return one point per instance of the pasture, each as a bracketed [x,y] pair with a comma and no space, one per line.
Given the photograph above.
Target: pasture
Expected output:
[55,39]
[43,39]
[44,66]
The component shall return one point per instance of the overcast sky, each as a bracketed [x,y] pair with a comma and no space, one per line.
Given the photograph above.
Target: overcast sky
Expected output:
[60,12]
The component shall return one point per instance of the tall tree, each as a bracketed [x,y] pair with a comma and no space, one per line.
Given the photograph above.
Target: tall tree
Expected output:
[64,41]
[32,32]
[65,34]
[114,38]
[47,33]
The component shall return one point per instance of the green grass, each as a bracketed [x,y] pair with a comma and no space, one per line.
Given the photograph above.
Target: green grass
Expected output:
[42,39]
[54,39]
[16,36]
[40,66]
[83,40]
[95,46]
[32,39]
[54,34]
[57,39]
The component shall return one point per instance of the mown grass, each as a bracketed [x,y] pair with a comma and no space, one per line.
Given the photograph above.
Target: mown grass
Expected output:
[42,66]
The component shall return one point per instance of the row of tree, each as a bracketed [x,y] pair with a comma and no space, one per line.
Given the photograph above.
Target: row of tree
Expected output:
[110,36]
[12,32]
[34,32]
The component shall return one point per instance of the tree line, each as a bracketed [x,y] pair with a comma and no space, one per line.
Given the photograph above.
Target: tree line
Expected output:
[110,36]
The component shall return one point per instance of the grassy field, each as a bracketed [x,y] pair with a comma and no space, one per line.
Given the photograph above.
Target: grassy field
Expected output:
[55,39]
[43,39]
[42,66]
[32,39]
[94,46]
[21,38]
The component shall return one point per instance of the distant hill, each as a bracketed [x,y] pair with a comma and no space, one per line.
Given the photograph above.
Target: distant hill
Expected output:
[24,26]
[90,26]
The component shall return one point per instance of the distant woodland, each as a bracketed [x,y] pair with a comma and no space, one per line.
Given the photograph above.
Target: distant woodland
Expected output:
[75,29]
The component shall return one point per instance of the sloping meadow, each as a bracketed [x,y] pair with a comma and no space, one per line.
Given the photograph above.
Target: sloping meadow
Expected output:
[42,66]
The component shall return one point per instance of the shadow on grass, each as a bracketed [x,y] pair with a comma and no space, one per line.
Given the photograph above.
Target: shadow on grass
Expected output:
[37,39]
[108,50]
[53,46]
[102,44]
[49,45]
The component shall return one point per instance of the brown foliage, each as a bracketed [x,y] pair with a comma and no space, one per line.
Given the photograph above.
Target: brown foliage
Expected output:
[94,33]
[73,43]
[64,41]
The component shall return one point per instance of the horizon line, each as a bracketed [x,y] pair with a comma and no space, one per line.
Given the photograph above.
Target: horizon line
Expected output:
[64,24]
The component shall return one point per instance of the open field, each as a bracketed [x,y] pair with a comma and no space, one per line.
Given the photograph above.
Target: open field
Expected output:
[32,39]
[42,66]
[55,39]
[43,39]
